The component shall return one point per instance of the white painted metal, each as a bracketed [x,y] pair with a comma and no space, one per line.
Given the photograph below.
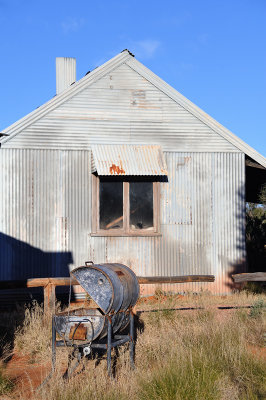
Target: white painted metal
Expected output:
[128,160]
[65,73]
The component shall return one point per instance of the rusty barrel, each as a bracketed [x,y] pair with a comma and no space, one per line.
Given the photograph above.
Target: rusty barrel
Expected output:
[114,288]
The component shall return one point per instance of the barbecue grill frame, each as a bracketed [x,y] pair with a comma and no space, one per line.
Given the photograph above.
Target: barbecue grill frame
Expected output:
[112,341]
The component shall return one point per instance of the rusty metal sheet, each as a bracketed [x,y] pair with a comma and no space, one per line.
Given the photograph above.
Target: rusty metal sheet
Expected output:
[78,332]
[111,160]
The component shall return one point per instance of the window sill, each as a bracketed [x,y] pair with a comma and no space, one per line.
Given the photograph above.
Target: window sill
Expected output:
[124,234]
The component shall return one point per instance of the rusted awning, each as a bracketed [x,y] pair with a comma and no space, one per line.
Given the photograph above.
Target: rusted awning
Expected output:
[133,160]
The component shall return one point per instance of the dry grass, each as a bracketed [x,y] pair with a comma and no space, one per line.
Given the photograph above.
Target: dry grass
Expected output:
[197,354]
[201,299]
[33,337]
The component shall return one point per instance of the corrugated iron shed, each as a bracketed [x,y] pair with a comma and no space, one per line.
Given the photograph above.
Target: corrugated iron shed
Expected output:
[121,119]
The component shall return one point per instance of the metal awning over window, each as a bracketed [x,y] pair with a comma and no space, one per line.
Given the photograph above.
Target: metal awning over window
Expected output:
[128,160]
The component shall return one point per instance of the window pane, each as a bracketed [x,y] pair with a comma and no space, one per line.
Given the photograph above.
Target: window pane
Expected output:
[141,205]
[111,205]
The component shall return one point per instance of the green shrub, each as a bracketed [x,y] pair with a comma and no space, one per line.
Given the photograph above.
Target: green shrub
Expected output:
[6,385]
[257,309]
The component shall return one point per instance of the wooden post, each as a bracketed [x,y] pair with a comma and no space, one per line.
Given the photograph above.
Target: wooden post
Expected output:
[49,298]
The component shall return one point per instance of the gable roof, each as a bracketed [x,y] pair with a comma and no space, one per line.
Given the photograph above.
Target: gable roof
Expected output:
[125,57]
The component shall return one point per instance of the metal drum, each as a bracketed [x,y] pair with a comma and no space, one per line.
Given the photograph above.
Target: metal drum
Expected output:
[80,325]
[114,288]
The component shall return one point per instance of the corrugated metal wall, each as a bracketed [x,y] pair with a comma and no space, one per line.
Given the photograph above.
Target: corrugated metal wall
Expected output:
[45,218]
[44,211]
[202,223]
[121,108]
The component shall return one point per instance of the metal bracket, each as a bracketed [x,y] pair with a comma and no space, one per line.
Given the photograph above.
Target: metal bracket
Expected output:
[89,263]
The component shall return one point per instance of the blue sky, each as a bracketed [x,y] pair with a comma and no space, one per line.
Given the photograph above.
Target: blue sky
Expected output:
[212,51]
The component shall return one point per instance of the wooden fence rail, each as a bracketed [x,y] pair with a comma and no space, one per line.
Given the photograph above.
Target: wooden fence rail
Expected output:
[250,277]
[49,284]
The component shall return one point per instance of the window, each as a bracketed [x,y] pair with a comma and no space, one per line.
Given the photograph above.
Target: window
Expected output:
[125,207]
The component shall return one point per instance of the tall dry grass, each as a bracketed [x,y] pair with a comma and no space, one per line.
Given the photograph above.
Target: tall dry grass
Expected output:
[33,337]
[198,354]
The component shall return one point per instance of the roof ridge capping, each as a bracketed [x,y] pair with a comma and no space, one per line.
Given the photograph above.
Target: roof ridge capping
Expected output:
[129,52]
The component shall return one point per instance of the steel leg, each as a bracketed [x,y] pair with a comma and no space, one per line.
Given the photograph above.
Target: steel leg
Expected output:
[70,370]
[53,345]
[132,344]
[109,347]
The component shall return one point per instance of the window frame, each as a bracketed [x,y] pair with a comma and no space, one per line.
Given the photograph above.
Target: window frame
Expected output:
[125,231]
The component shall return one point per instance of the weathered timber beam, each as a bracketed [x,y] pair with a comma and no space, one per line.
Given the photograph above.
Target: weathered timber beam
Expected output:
[49,285]
[43,282]
[37,282]
[176,279]
[54,281]
[250,277]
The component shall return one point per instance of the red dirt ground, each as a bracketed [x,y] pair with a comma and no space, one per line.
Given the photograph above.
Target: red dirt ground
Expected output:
[26,376]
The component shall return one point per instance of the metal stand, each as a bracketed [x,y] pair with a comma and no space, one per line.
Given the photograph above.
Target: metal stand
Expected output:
[112,342]
[109,346]
[132,340]
[53,345]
